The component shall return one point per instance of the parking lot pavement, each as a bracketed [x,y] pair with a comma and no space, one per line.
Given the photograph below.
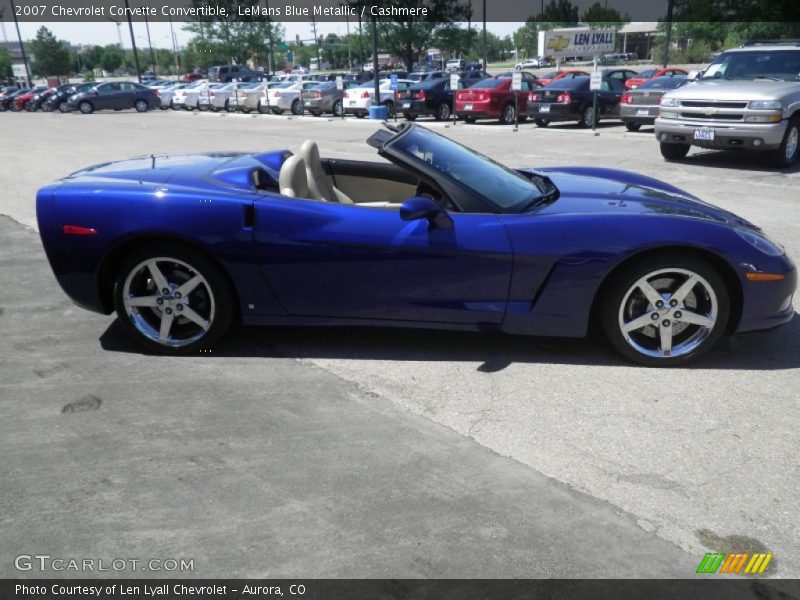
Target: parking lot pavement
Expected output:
[703,457]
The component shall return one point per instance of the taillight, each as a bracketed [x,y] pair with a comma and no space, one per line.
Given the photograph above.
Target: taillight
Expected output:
[626,98]
[317,94]
[347,94]
[421,95]
[244,94]
[211,94]
[564,98]
[277,94]
[533,97]
[365,94]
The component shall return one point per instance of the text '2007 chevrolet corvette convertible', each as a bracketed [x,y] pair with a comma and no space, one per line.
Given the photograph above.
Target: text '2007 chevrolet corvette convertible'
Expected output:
[435,236]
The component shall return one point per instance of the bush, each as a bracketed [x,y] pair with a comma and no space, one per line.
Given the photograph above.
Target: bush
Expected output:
[88,76]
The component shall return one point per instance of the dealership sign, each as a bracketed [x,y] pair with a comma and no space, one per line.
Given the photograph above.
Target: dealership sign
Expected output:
[576,42]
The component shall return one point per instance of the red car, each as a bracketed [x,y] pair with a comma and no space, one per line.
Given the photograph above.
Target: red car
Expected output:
[19,101]
[647,74]
[190,77]
[553,75]
[493,98]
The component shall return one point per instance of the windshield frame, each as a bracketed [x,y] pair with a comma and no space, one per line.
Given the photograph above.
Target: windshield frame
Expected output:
[731,56]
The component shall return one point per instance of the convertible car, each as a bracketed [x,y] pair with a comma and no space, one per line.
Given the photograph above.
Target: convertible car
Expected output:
[182,247]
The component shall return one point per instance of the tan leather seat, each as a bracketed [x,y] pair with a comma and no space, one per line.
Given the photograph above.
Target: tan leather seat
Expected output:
[292,179]
[319,185]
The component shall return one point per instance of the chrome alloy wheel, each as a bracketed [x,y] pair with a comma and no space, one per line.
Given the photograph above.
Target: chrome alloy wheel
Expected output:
[168,301]
[668,313]
[791,143]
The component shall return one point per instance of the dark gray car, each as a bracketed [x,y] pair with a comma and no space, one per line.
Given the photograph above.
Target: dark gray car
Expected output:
[117,95]
[640,106]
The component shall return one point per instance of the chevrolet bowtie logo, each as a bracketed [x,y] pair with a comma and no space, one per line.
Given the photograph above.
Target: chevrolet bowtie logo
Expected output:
[558,43]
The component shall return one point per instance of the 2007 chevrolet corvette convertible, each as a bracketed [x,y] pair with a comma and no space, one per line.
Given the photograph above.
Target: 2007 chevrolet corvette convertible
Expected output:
[436,236]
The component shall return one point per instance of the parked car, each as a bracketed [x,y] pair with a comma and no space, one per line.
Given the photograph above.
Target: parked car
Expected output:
[38,99]
[286,96]
[191,101]
[470,78]
[621,74]
[226,97]
[326,98]
[455,64]
[167,94]
[533,63]
[227,73]
[359,77]
[634,82]
[640,106]
[250,97]
[5,90]
[570,99]
[191,77]
[178,96]
[424,75]
[20,100]
[59,100]
[433,97]
[118,95]
[438,236]
[556,75]
[493,98]
[747,99]
[358,100]
[7,101]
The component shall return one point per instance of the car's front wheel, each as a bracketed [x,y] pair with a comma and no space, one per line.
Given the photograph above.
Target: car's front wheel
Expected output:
[86,107]
[443,112]
[786,155]
[587,117]
[509,115]
[665,311]
[631,126]
[262,108]
[541,122]
[337,108]
[297,107]
[172,299]
[674,151]
[140,106]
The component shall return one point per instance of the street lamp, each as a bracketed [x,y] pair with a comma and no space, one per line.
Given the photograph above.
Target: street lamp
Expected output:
[133,42]
[150,44]
[347,18]
[21,45]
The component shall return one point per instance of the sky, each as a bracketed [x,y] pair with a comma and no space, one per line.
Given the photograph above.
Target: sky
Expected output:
[106,33]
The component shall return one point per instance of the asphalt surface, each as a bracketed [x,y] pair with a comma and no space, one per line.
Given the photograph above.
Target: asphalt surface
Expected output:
[339,452]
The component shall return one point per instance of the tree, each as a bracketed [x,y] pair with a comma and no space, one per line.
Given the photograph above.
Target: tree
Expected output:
[410,37]
[5,63]
[599,17]
[92,57]
[557,13]
[52,55]
[526,39]
[112,58]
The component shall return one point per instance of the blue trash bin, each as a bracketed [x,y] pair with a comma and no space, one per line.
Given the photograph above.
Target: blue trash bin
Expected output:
[379,113]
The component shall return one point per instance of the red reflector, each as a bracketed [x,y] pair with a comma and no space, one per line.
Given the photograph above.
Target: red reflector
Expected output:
[78,230]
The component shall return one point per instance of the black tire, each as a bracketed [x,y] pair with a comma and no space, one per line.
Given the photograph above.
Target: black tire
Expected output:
[361,115]
[337,108]
[389,109]
[469,119]
[203,107]
[587,117]
[141,106]
[213,300]
[618,298]
[541,122]
[509,114]
[86,107]
[631,126]
[783,157]
[64,107]
[31,106]
[3,107]
[410,116]
[277,111]
[263,108]
[674,151]
[316,113]
[443,112]
[47,107]
[297,107]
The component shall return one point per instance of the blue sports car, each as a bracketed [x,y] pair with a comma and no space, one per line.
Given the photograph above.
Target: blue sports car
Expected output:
[435,236]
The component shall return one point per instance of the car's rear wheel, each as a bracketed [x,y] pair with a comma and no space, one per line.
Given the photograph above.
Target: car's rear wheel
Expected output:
[469,119]
[541,122]
[509,114]
[786,155]
[630,126]
[316,113]
[31,106]
[86,107]
[443,111]
[665,311]
[674,151]
[337,108]
[361,115]
[172,299]
[297,107]
[263,108]
[277,111]
[410,116]
[587,116]
[389,109]
[63,107]
[47,107]
[140,106]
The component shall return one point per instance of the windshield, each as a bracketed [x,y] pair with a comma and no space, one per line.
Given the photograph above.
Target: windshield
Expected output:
[783,65]
[499,185]
[647,73]
[664,83]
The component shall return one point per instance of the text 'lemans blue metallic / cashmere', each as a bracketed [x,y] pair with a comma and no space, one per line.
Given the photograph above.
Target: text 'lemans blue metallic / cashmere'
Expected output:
[292,260]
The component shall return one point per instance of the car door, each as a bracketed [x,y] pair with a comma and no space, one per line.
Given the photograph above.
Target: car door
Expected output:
[105,95]
[335,260]
[609,96]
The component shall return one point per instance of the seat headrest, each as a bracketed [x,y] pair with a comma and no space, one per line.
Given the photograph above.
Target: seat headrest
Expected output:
[292,179]
[310,153]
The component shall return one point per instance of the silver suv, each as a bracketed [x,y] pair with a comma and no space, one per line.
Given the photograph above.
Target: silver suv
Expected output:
[747,99]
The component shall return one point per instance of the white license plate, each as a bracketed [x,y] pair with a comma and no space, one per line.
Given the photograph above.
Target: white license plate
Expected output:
[308,102]
[544,108]
[406,104]
[704,134]
[642,112]
[352,102]
[468,107]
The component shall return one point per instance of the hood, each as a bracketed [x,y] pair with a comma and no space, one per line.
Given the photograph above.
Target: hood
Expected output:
[595,191]
[734,89]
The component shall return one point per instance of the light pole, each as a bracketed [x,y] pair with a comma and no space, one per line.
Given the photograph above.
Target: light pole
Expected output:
[485,61]
[133,42]
[150,44]
[21,45]
[360,43]
[347,19]
[377,99]
[271,43]
[670,6]
[174,41]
